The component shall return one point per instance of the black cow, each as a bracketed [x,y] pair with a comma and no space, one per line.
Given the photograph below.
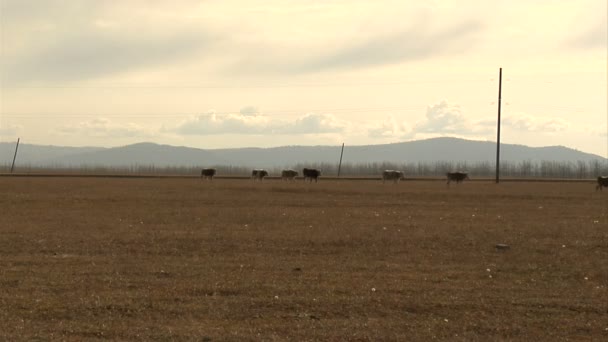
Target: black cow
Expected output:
[311,174]
[393,175]
[456,176]
[208,174]
[602,181]
[258,174]
[289,175]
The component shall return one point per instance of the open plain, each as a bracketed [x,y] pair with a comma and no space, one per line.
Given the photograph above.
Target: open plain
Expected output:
[87,258]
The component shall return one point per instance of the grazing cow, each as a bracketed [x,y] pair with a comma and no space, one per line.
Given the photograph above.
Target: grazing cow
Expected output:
[456,176]
[289,175]
[602,181]
[311,174]
[392,175]
[258,174]
[208,174]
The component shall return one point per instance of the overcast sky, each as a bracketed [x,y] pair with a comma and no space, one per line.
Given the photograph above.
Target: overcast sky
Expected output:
[213,74]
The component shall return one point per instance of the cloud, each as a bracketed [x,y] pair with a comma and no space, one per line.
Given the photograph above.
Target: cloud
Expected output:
[250,122]
[86,55]
[370,49]
[450,119]
[53,41]
[393,48]
[595,37]
[390,128]
[539,124]
[444,118]
[313,123]
[212,123]
[249,111]
[103,128]
[441,119]
[9,129]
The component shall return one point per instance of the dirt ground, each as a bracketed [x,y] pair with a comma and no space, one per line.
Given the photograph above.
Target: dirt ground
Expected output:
[232,260]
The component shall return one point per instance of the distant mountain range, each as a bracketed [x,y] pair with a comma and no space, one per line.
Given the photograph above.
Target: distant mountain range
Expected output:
[148,154]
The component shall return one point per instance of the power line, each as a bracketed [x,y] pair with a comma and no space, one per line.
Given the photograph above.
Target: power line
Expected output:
[239,86]
[275,112]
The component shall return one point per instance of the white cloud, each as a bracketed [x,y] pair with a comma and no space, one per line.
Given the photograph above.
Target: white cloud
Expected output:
[249,111]
[314,123]
[525,122]
[103,128]
[212,123]
[450,119]
[390,128]
[9,129]
[443,118]
[250,122]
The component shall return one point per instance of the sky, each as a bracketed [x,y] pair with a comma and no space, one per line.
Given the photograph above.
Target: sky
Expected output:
[245,73]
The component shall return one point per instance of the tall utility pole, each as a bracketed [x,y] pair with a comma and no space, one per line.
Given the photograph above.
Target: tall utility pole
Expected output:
[340,164]
[498,130]
[15,156]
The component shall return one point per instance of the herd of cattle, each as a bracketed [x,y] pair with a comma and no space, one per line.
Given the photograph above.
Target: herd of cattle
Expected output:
[387,175]
[259,174]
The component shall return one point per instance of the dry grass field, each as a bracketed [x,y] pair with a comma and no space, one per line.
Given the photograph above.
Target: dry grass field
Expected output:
[231,260]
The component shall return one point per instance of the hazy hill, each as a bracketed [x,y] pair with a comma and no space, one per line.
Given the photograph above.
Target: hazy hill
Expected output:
[40,154]
[430,150]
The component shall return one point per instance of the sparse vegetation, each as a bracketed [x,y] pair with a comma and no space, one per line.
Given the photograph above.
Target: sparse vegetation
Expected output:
[182,259]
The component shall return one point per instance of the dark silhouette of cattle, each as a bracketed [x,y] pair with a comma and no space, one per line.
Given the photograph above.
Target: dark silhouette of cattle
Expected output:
[208,174]
[602,181]
[456,177]
[258,174]
[289,175]
[392,175]
[311,174]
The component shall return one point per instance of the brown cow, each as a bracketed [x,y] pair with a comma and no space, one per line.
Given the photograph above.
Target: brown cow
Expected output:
[258,174]
[311,174]
[392,175]
[208,174]
[456,177]
[602,181]
[289,175]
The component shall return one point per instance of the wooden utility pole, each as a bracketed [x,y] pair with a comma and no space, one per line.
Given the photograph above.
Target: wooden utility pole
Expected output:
[340,164]
[15,156]
[498,130]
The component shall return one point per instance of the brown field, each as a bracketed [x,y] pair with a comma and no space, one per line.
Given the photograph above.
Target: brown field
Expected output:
[182,259]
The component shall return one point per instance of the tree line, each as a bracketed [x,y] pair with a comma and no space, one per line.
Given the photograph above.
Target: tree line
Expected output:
[509,169]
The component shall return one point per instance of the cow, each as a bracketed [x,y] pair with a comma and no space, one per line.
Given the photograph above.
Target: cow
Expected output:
[208,174]
[311,174]
[392,175]
[456,176]
[289,175]
[258,174]
[602,181]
